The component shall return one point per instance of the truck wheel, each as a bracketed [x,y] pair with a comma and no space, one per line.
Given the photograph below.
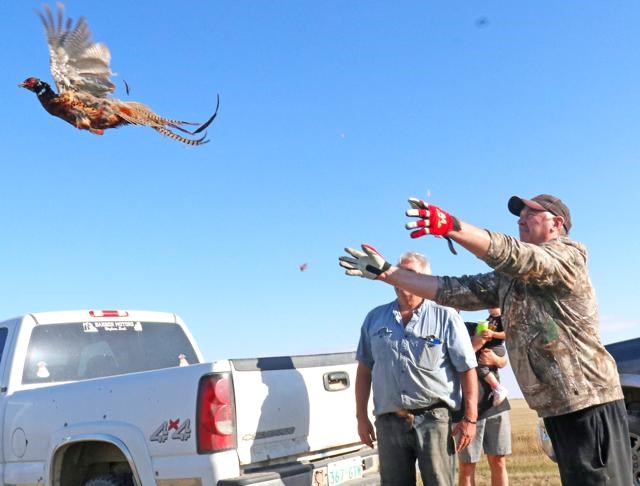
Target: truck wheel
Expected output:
[110,480]
[634,436]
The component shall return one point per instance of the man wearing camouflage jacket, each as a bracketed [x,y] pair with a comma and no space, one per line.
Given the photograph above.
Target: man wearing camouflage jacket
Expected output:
[550,315]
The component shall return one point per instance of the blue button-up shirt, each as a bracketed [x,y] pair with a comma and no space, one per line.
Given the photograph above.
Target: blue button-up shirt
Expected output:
[416,365]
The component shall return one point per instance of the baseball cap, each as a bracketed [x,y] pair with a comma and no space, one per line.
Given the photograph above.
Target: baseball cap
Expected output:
[543,202]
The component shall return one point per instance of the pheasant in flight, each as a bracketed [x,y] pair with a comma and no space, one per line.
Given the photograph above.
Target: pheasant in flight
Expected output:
[80,69]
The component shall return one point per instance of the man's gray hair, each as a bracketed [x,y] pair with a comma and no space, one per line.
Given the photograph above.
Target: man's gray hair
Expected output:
[425,266]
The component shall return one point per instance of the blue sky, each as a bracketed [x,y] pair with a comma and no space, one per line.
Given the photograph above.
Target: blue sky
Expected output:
[332,114]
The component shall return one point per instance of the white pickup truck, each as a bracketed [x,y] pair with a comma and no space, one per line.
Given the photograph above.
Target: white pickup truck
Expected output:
[106,398]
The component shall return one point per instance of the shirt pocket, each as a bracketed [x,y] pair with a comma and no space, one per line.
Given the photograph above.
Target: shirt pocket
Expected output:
[424,352]
[382,343]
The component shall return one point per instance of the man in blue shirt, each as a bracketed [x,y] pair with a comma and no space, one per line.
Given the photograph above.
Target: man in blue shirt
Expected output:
[416,355]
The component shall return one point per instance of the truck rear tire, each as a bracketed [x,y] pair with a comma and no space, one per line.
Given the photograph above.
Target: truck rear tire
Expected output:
[110,480]
[634,437]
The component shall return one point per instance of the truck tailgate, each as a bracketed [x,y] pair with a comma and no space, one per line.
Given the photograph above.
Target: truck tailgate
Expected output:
[294,406]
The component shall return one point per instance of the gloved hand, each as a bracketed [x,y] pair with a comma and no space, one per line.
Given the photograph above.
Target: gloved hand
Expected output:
[433,220]
[369,264]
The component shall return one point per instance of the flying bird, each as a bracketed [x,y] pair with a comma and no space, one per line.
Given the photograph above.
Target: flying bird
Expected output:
[482,22]
[80,69]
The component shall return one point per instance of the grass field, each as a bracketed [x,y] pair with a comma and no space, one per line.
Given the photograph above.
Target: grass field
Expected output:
[527,465]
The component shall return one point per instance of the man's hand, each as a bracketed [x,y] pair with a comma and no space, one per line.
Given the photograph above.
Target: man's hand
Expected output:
[432,220]
[488,358]
[369,264]
[464,432]
[366,431]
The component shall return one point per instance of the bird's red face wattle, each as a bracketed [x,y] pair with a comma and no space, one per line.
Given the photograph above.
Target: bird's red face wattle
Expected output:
[28,83]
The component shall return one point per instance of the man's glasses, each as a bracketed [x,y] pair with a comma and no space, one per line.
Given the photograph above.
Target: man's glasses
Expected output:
[528,212]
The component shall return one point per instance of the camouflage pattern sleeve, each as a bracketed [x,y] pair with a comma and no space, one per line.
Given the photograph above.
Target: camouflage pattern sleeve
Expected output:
[559,263]
[469,292]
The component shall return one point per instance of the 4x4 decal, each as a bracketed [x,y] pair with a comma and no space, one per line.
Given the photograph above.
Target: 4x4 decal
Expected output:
[181,432]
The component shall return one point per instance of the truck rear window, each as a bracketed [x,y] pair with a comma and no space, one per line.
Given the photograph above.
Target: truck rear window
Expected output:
[84,350]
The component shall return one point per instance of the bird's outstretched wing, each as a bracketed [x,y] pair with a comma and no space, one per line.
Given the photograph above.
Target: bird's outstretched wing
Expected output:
[77,63]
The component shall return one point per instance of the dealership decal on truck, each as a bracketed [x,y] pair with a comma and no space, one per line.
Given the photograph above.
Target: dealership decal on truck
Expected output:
[111,326]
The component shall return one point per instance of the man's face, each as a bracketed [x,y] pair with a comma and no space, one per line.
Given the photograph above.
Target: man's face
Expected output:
[537,226]
[412,265]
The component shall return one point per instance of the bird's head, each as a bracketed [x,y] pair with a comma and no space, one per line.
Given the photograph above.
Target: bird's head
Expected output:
[32,84]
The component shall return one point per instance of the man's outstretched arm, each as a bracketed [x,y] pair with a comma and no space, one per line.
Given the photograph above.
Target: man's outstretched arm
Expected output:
[370,264]
[431,220]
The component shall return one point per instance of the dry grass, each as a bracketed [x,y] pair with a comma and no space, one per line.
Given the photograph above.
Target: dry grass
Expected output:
[527,465]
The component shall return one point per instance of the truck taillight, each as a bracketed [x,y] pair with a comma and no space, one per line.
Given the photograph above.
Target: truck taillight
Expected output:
[216,414]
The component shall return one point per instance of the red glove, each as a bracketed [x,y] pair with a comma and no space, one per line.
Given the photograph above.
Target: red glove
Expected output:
[433,220]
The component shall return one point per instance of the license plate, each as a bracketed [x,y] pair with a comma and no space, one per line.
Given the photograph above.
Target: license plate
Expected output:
[342,471]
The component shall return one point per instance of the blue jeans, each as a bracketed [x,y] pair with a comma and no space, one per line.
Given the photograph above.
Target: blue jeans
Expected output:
[428,440]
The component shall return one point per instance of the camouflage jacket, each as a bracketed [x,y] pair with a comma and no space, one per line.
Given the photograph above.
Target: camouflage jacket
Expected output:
[550,316]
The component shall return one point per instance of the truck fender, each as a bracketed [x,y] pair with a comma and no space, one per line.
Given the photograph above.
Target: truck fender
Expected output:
[125,438]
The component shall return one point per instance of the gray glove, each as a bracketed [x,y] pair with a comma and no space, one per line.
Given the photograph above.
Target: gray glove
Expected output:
[369,264]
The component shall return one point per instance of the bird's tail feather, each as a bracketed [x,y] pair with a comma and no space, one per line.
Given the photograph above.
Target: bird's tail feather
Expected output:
[168,133]
[140,114]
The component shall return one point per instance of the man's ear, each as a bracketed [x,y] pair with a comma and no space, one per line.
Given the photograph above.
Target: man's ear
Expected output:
[558,222]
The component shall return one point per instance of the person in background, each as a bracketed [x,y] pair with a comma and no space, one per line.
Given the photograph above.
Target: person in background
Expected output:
[550,315]
[418,359]
[493,431]
[493,338]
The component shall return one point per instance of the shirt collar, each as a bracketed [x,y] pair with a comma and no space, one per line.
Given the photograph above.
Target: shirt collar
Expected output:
[416,312]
